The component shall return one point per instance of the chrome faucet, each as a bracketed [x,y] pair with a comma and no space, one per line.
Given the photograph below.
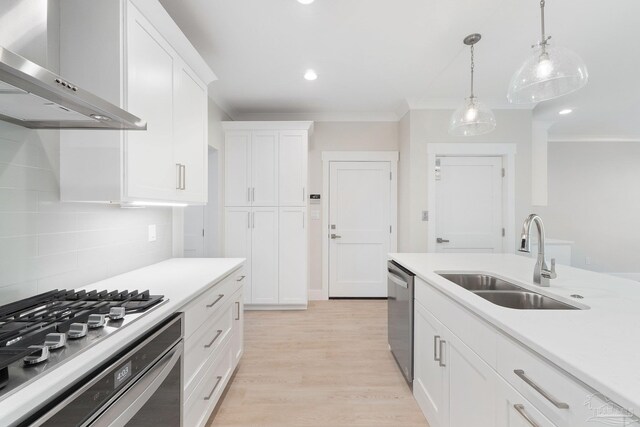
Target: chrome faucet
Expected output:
[541,273]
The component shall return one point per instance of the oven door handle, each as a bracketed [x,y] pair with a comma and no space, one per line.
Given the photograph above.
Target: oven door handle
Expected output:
[397,280]
[132,400]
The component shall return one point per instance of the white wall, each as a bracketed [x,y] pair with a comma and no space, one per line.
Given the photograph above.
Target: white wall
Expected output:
[594,201]
[45,244]
[431,126]
[339,136]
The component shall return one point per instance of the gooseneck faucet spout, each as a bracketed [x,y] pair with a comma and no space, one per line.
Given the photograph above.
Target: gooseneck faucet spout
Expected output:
[541,273]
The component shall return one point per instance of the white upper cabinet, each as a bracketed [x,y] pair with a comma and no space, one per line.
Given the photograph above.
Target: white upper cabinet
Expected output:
[237,158]
[131,53]
[293,152]
[264,168]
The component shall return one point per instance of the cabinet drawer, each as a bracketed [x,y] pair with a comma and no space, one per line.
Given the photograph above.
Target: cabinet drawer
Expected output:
[207,305]
[204,344]
[514,410]
[471,330]
[561,398]
[200,404]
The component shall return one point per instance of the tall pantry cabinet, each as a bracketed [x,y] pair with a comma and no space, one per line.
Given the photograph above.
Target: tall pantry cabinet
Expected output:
[266,222]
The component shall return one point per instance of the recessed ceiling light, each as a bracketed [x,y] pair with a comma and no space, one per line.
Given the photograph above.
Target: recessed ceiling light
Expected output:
[310,74]
[306,1]
[565,111]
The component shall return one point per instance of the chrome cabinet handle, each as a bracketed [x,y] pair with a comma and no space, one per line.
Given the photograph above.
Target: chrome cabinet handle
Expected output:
[520,408]
[441,240]
[253,220]
[214,339]
[335,236]
[248,194]
[555,402]
[303,194]
[238,308]
[240,279]
[184,177]
[441,360]
[435,348]
[253,194]
[216,301]
[213,389]
[178,176]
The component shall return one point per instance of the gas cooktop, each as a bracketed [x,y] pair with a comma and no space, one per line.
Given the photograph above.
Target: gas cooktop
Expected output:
[40,332]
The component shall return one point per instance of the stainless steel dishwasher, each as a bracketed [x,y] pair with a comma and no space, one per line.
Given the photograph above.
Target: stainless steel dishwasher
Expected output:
[400,317]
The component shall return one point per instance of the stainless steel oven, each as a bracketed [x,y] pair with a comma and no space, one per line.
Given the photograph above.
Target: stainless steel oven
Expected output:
[141,387]
[400,317]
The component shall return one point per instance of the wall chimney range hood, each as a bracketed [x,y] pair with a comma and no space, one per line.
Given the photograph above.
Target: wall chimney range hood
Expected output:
[34,97]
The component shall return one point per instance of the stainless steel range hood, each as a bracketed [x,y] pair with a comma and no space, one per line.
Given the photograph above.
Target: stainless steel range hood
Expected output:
[34,97]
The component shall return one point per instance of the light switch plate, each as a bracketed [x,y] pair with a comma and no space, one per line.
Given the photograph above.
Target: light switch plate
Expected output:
[152,233]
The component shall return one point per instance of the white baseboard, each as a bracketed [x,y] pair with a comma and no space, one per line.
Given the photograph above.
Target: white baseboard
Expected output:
[630,276]
[316,295]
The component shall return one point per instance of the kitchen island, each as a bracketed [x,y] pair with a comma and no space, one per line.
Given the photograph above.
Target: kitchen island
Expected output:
[547,367]
[187,285]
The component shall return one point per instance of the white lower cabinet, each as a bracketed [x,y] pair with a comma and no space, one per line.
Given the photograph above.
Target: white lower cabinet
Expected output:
[292,257]
[478,376]
[452,385]
[213,346]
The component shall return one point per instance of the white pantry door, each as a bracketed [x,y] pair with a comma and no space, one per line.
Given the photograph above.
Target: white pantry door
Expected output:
[469,204]
[360,230]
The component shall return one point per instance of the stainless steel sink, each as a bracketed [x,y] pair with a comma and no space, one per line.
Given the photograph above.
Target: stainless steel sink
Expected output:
[480,282]
[524,300]
[503,293]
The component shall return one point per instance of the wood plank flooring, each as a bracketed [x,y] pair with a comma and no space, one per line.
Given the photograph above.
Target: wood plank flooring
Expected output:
[328,366]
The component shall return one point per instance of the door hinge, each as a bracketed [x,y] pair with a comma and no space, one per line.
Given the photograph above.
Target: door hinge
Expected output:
[504,173]
[504,233]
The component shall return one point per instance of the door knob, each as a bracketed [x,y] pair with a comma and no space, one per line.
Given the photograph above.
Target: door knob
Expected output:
[441,240]
[335,236]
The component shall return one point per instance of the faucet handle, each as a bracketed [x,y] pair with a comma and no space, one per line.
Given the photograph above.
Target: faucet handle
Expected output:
[552,273]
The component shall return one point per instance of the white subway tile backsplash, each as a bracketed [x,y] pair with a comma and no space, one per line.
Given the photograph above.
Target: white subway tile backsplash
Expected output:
[46,244]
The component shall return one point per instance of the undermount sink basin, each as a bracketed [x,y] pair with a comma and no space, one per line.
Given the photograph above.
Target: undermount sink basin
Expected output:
[503,293]
[524,300]
[480,282]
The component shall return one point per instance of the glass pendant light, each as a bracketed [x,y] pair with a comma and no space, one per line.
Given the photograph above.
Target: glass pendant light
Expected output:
[549,73]
[473,117]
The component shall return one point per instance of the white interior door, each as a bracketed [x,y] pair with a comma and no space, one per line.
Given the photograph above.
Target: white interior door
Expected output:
[360,230]
[469,205]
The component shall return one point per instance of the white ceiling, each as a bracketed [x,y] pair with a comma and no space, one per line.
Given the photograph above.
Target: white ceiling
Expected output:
[376,58]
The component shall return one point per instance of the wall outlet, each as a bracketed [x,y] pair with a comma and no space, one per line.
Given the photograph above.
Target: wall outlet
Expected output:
[152,233]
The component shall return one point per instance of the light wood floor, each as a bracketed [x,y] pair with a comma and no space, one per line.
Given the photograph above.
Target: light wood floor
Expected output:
[328,366]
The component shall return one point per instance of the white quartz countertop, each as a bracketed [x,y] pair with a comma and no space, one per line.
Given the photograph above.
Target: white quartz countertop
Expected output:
[180,280]
[600,346]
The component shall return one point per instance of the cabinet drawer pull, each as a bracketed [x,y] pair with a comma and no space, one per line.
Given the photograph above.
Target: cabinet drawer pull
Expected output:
[441,360]
[520,408]
[240,279]
[536,387]
[216,301]
[238,308]
[213,389]
[214,339]
[435,348]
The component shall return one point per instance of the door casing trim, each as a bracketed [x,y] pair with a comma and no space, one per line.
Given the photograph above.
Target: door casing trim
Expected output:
[355,156]
[506,151]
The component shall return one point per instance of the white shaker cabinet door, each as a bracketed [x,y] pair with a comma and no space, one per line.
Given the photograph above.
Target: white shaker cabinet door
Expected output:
[264,255]
[237,157]
[430,376]
[190,135]
[293,168]
[237,243]
[293,256]
[264,169]
[148,161]
[472,385]
[513,410]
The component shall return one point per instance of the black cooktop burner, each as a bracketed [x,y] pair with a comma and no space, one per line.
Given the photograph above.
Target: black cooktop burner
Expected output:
[27,322]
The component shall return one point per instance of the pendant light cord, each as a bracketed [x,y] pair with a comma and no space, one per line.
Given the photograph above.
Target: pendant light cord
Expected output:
[545,39]
[472,68]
